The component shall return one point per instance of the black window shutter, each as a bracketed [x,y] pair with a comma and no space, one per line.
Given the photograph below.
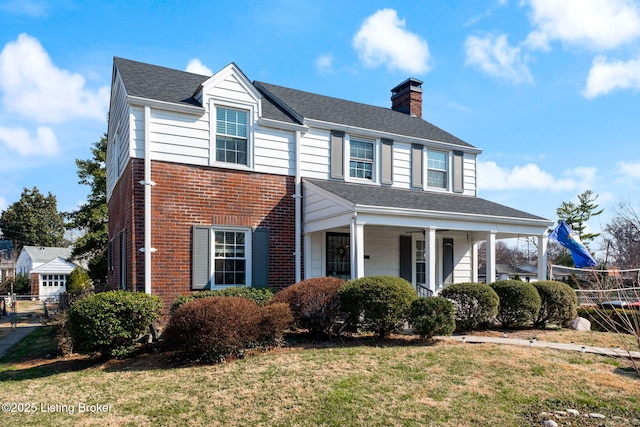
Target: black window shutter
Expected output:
[201,258]
[405,258]
[458,172]
[386,161]
[260,258]
[337,155]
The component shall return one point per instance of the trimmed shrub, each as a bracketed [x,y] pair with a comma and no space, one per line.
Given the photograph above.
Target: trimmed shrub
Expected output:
[611,320]
[314,303]
[474,303]
[111,322]
[276,318]
[559,303]
[214,328]
[260,296]
[519,302]
[78,281]
[378,304]
[431,316]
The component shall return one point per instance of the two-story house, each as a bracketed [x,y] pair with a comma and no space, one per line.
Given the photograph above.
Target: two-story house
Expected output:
[216,181]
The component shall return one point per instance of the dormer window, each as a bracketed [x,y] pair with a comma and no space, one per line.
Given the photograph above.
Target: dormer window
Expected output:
[436,169]
[361,159]
[231,136]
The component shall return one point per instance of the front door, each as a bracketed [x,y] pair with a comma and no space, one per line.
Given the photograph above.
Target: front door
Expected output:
[338,255]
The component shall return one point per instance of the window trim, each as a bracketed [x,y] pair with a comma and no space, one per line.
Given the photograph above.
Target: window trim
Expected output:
[375,162]
[447,170]
[372,161]
[247,108]
[247,252]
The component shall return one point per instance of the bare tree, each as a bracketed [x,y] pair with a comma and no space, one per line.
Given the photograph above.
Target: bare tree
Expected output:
[622,237]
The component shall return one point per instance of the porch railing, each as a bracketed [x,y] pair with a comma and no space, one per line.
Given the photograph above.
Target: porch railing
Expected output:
[423,291]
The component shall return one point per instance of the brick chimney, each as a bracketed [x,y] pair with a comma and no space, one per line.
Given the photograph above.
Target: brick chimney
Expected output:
[407,97]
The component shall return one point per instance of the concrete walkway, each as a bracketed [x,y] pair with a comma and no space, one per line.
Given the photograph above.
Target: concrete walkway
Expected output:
[615,352]
[23,328]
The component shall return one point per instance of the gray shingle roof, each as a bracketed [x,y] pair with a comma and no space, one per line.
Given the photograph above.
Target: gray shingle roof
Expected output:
[388,197]
[279,103]
[340,111]
[159,83]
[46,254]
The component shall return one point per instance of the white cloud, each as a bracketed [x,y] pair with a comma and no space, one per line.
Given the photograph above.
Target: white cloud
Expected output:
[19,140]
[596,24]
[324,64]
[497,58]
[630,170]
[31,8]
[197,67]
[384,39]
[531,177]
[34,87]
[606,76]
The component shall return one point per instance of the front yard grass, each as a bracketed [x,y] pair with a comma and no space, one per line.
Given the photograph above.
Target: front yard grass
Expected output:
[365,382]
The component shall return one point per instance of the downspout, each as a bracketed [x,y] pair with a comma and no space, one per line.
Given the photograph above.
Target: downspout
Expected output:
[148,183]
[298,212]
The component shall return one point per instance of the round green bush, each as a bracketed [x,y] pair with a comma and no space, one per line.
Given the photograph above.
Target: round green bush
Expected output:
[519,302]
[559,303]
[314,303]
[474,303]
[432,316]
[377,304]
[260,296]
[111,322]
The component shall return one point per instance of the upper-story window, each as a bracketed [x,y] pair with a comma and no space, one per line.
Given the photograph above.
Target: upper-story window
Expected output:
[231,136]
[436,169]
[361,159]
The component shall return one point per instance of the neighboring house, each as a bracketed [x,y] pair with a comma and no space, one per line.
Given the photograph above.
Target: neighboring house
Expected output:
[48,268]
[7,260]
[216,181]
[526,272]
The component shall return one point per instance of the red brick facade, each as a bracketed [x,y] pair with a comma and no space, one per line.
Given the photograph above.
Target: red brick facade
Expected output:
[186,195]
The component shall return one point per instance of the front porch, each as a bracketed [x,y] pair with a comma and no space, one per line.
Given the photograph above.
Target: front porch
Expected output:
[357,230]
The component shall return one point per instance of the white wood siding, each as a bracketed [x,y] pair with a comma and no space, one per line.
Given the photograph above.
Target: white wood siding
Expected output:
[401,165]
[118,134]
[382,245]
[178,137]
[274,151]
[316,268]
[314,154]
[469,174]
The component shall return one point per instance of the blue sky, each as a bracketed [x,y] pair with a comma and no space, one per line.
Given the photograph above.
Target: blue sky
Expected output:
[550,91]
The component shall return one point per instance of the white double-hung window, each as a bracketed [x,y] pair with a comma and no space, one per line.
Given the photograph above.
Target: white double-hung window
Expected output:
[230,257]
[361,158]
[231,136]
[436,169]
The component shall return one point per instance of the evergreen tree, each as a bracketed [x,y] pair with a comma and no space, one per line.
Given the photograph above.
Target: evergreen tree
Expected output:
[91,217]
[33,220]
[576,216]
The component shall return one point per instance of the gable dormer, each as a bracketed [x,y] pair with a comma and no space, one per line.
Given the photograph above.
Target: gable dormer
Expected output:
[234,107]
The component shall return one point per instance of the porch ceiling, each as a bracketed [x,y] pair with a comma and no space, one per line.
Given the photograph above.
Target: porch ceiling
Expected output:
[386,205]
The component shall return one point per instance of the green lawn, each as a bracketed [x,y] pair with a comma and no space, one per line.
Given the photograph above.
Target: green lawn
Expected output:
[365,383]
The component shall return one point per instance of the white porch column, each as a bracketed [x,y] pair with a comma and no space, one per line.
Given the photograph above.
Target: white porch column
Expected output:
[357,249]
[430,257]
[474,262]
[491,257]
[542,256]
